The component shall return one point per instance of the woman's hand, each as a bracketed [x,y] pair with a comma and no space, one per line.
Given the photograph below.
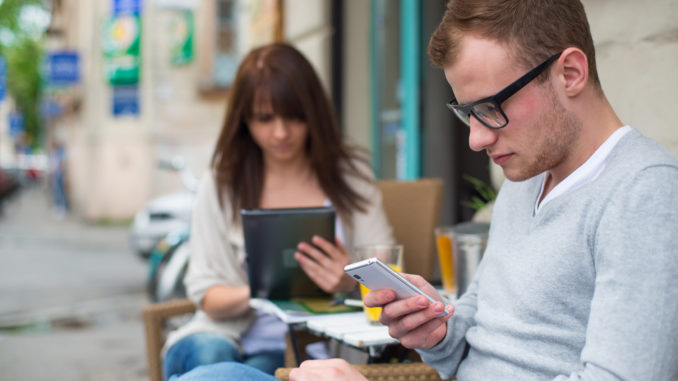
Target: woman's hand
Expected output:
[325,264]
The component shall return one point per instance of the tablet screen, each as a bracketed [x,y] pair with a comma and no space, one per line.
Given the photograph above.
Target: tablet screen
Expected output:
[271,238]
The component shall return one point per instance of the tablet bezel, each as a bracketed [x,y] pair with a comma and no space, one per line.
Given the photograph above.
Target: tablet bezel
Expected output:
[271,237]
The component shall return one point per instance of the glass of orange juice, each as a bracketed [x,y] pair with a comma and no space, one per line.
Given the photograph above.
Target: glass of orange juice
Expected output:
[392,255]
[444,242]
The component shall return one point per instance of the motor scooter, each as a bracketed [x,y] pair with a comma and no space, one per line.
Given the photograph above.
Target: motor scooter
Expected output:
[167,267]
[164,214]
[160,233]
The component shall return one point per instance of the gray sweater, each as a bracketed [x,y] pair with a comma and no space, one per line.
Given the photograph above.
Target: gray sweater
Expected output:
[585,290]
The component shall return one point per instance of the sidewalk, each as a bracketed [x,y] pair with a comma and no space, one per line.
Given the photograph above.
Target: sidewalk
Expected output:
[72,293]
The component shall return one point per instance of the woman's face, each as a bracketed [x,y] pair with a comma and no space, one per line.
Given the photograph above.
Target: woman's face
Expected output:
[280,139]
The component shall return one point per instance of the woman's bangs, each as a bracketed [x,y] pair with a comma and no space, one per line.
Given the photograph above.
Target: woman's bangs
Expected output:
[280,96]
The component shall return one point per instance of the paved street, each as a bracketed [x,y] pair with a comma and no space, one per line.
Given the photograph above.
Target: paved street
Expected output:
[71,295]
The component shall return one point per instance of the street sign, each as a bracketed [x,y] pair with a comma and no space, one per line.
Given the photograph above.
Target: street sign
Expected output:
[125,100]
[50,108]
[16,123]
[63,68]
[126,7]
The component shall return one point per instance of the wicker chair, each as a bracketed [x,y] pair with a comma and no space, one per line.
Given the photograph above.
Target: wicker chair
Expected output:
[413,209]
[414,371]
[155,315]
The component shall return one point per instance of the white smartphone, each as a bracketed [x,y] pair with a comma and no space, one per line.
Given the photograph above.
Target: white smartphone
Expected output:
[375,275]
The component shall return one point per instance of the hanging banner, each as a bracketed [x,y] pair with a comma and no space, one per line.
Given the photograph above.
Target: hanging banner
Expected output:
[122,45]
[181,38]
[176,4]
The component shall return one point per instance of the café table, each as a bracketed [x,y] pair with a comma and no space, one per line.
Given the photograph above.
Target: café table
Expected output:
[348,328]
[354,330]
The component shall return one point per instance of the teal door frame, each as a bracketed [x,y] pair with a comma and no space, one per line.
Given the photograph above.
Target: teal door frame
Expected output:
[410,59]
[375,99]
[410,52]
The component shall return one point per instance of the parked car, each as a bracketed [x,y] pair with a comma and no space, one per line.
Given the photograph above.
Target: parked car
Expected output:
[9,185]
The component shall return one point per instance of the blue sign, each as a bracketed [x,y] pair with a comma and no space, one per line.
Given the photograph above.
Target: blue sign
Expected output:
[3,77]
[50,109]
[126,7]
[16,123]
[63,68]
[125,100]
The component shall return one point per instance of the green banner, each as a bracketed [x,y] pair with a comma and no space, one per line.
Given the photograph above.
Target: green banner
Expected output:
[181,37]
[122,46]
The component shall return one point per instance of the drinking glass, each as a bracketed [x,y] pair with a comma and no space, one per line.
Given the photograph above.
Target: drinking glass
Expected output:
[444,242]
[391,255]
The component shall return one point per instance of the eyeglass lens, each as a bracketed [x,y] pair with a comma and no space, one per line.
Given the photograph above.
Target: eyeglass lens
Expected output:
[490,114]
[487,112]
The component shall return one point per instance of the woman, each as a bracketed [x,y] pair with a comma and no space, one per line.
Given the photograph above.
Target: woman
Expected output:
[280,146]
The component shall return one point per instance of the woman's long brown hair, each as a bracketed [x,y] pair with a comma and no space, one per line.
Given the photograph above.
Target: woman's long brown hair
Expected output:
[282,75]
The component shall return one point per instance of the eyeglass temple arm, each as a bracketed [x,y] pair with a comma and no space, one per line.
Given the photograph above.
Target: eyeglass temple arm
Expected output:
[524,80]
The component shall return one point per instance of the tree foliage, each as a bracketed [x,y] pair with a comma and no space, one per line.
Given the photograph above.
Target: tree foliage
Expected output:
[24,83]
[23,53]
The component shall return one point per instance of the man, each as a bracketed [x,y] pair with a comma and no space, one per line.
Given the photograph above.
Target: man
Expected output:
[580,276]
[579,280]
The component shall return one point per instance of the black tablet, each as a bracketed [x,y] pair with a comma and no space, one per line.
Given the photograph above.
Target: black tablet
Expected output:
[271,238]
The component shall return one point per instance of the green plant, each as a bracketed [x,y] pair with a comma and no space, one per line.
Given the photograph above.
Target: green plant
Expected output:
[485,194]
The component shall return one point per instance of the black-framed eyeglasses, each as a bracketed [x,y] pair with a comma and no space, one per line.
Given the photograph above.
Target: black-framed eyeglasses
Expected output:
[488,110]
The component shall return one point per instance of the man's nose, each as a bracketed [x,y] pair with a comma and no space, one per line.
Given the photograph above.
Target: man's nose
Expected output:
[480,136]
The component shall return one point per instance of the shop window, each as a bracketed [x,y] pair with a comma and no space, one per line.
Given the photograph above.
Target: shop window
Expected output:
[228,30]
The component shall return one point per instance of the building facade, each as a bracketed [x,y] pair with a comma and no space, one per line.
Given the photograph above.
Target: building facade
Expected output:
[371,58]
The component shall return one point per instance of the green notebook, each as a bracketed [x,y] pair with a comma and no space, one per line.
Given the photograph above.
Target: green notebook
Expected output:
[311,306]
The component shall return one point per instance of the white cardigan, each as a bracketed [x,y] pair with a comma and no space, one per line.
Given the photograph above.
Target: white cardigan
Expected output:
[218,253]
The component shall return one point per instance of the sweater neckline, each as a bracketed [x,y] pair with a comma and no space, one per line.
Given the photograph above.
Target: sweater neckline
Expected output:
[584,174]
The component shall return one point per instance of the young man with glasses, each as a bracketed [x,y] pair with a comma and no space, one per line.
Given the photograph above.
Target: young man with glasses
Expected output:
[579,280]
[580,276]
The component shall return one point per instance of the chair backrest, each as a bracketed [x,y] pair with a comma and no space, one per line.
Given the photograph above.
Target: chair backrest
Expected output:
[413,209]
[155,315]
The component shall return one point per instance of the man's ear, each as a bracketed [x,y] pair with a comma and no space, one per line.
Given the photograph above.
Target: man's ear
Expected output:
[574,70]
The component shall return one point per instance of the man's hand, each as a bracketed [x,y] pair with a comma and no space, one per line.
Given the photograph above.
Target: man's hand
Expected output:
[333,369]
[414,321]
[325,267]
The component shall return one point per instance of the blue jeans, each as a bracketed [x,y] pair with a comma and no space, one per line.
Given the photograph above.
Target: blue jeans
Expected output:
[207,348]
[58,192]
[225,371]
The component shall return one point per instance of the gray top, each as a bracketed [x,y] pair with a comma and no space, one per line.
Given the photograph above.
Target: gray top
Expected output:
[585,289]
